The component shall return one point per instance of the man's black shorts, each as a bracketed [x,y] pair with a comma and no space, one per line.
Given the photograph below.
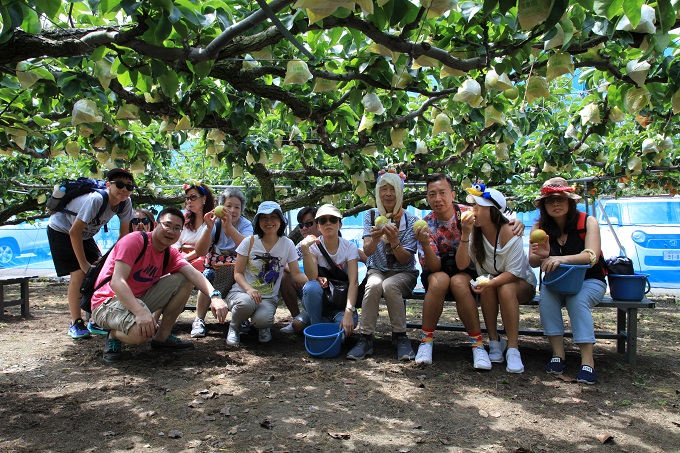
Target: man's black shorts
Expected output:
[64,257]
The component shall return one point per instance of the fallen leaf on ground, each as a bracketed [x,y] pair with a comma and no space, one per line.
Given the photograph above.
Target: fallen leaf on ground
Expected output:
[195,403]
[483,413]
[605,437]
[266,424]
[174,434]
[338,435]
[226,411]
[565,378]
[233,431]
[495,414]
[109,433]
[298,436]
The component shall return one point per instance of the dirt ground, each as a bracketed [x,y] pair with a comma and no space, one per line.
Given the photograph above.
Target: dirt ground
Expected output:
[56,394]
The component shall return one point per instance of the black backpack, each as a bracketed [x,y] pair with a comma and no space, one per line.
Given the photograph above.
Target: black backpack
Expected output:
[75,188]
[89,286]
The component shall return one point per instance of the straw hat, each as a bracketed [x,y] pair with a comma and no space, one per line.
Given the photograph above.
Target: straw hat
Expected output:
[557,185]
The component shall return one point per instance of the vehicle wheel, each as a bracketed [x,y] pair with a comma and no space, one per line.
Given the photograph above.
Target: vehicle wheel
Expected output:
[8,252]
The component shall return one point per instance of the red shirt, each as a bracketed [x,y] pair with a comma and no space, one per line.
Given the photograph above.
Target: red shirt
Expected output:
[144,274]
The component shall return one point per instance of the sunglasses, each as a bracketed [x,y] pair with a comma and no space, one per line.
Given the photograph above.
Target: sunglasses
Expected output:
[120,184]
[136,221]
[306,224]
[191,198]
[325,220]
[558,199]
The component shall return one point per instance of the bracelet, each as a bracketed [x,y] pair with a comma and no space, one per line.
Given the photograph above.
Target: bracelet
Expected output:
[464,241]
[307,254]
[592,255]
[396,246]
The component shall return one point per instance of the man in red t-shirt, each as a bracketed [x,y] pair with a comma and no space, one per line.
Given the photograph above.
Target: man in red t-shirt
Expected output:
[139,287]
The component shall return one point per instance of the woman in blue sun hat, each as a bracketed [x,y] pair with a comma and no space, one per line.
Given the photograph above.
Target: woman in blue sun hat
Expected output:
[258,271]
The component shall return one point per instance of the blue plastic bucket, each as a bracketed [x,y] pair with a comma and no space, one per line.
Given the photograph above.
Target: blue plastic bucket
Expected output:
[566,279]
[628,287]
[323,340]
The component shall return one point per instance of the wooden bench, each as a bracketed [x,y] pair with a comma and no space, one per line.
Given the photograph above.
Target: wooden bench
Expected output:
[626,322]
[23,300]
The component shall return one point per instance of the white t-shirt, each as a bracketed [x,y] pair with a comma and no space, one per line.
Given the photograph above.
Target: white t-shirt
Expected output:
[510,258]
[190,238]
[87,206]
[265,269]
[346,251]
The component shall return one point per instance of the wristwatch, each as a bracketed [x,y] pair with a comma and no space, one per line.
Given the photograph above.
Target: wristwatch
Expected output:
[215,293]
[350,308]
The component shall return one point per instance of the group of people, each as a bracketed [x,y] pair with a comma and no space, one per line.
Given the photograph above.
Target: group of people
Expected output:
[241,267]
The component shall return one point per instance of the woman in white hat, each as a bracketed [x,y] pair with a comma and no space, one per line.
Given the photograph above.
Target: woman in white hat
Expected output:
[573,237]
[344,256]
[498,253]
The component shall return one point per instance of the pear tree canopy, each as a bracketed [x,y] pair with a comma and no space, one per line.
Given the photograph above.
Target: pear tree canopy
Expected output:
[305,101]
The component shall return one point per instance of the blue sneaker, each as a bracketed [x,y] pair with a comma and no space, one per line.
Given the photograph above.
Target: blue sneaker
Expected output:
[78,330]
[555,366]
[586,375]
[112,350]
[245,327]
[95,329]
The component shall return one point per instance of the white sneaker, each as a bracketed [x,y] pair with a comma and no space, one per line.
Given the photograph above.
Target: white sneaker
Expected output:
[288,328]
[264,335]
[481,359]
[496,349]
[233,336]
[424,353]
[198,328]
[514,360]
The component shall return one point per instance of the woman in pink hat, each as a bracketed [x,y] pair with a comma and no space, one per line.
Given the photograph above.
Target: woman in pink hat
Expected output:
[565,244]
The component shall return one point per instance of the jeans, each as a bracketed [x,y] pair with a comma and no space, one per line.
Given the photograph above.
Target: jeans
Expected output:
[312,301]
[579,307]
[243,307]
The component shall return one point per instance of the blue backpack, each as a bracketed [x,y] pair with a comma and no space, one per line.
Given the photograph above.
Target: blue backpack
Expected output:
[71,189]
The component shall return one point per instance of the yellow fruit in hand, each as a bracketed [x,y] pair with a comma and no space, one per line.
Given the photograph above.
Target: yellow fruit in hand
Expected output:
[538,236]
[219,211]
[381,221]
[466,215]
[483,280]
[418,224]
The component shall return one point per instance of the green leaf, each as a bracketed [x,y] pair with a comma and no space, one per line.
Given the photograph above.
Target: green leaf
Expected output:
[633,11]
[40,121]
[558,9]
[42,72]
[489,6]
[169,84]
[201,69]
[666,14]
[586,4]
[469,9]
[163,29]
[608,8]
[49,7]
[505,5]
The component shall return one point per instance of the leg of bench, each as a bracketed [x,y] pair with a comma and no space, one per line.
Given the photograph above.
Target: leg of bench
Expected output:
[632,336]
[2,301]
[621,332]
[24,298]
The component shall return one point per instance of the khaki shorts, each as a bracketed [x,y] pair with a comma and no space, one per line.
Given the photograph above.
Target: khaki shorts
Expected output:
[112,314]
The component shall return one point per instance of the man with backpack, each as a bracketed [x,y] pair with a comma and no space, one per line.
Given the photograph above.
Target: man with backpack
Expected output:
[144,274]
[82,211]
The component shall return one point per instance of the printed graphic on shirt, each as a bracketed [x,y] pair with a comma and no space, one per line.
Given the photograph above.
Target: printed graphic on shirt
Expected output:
[147,274]
[268,270]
